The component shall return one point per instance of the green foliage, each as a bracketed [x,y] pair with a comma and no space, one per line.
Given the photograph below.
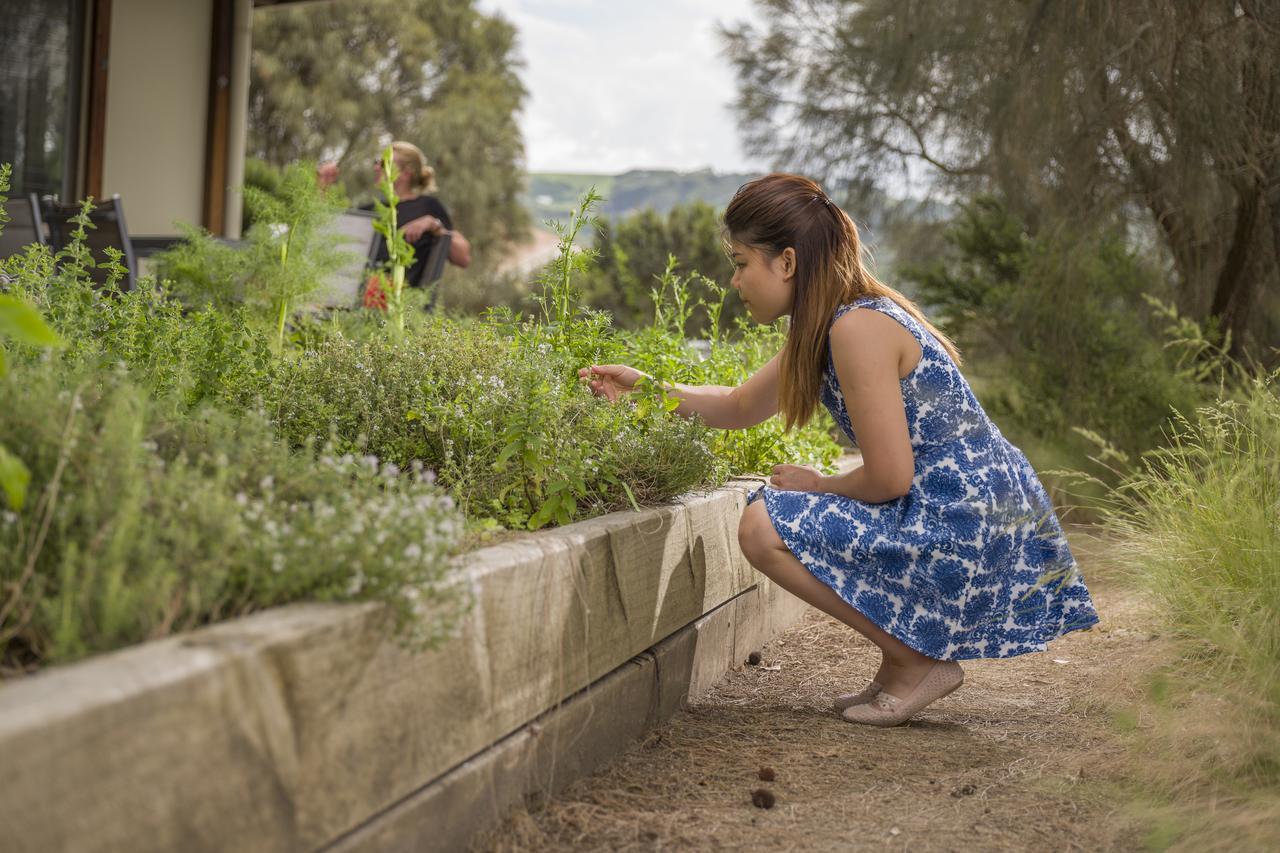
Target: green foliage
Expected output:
[633,254]
[144,523]
[511,435]
[23,325]
[1064,109]
[160,499]
[194,463]
[183,357]
[560,297]
[1061,332]
[438,73]
[1198,527]
[285,257]
[399,252]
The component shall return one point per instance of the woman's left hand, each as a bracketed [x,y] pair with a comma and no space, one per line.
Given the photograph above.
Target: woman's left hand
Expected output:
[415,228]
[796,478]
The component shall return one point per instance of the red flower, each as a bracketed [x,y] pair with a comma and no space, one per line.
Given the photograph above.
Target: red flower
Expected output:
[375,297]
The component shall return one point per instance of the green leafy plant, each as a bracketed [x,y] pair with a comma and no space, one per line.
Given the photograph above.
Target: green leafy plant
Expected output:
[399,251]
[559,298]
[284,258]
[23,325]
[147,522]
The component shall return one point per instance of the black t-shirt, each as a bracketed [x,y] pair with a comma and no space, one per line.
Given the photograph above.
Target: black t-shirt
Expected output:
[412,208]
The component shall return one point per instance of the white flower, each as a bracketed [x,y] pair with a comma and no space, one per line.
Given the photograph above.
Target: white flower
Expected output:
[277,563]
[412,551]
[266,483]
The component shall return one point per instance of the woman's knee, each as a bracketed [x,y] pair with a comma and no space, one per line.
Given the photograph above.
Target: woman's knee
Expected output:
[756,535]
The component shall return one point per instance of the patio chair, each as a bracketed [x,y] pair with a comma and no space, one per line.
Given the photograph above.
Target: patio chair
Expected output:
[24,226]
[344,286]
[433,269]
[110,230]
[430,272]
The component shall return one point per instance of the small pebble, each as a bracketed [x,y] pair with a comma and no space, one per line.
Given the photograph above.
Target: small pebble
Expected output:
[753,659]
[766,774]
[762,798]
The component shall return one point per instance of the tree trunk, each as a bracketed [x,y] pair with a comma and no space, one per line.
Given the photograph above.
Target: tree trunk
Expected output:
[1231,295]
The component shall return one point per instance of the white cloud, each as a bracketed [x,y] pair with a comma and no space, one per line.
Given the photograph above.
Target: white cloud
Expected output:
[620,85]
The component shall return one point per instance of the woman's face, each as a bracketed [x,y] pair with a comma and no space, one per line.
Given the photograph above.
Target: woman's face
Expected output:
[403,183]
[766,285]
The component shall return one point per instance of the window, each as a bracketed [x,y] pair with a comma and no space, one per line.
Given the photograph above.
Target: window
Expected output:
[41,43]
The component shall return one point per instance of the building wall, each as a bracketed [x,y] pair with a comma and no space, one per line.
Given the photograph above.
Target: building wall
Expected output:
[157,109]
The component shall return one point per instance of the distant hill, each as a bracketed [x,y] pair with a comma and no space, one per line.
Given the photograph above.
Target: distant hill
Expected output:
[885,224]
[552,196]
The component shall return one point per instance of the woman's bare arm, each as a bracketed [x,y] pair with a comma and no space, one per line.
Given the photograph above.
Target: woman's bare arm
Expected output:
[719,406]
[872,352]
[459,249]
[724,407]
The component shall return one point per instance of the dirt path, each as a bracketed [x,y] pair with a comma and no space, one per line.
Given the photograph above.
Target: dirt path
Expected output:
[1023,757]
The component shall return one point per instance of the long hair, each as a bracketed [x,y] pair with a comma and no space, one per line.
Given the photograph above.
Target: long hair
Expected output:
[778,211]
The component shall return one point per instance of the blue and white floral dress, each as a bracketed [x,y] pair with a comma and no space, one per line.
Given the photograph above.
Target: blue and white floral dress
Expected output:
[971,562]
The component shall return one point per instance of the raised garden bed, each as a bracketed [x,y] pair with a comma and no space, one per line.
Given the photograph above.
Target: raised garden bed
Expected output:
[309,725]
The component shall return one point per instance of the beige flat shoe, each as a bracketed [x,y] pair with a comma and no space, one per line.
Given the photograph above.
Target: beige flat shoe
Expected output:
[887,710]
[848,700]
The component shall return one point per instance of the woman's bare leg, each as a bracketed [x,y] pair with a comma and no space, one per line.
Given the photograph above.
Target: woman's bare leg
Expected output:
[902,667]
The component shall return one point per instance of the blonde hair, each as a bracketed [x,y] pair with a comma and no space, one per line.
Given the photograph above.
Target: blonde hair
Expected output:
[780,211]
[409,158]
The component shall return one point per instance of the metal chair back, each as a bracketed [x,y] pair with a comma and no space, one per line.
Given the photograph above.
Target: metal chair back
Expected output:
[24,226]
[109,230]
[433,269]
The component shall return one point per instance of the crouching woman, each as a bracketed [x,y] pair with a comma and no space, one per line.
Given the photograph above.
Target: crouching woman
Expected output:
[943,546]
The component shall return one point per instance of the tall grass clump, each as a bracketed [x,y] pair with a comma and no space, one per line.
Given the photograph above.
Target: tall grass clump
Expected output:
[1198,526]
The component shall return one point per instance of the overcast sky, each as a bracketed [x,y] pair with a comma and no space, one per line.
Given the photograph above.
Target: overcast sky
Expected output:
[618,84]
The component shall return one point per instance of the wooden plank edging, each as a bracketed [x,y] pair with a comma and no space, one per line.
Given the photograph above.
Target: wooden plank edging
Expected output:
[580,735]
[289,728]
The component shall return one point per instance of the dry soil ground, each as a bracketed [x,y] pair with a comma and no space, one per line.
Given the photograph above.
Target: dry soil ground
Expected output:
[1025,756]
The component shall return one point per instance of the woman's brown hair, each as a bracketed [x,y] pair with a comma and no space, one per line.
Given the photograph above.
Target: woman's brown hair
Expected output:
[779,211]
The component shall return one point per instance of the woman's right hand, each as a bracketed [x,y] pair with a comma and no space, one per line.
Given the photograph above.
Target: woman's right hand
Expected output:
[611,381]
[326,174]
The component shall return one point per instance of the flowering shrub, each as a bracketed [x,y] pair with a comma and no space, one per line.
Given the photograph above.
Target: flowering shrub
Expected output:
[141,523]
